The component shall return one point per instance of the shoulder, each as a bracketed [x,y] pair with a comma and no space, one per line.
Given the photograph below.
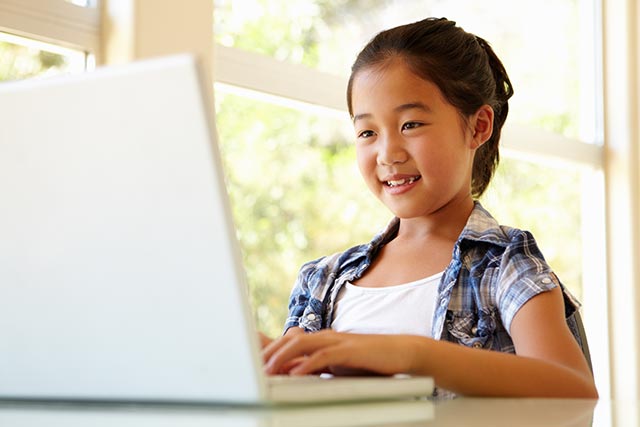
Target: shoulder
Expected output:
[485,240]
[515,258]
[352,259]
[316,278]
[482,227]
[334,263]
[508,260]
[518,256]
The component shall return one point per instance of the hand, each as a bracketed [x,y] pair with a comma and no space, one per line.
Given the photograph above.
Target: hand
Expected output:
[302,354]
[264,340]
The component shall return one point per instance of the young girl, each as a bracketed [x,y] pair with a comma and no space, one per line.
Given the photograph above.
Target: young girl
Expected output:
[444,290]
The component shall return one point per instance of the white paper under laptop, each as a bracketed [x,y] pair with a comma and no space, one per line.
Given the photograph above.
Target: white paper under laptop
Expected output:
[120,273]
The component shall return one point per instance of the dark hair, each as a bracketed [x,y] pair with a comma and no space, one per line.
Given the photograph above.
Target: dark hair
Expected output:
[462,65]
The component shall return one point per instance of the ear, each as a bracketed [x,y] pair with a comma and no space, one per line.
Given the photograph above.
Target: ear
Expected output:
[482,125]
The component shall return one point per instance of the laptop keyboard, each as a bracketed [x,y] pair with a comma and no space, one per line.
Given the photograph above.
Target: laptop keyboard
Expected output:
[277,379]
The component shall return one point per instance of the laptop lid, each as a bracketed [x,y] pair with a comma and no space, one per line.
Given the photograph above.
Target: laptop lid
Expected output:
[120,271]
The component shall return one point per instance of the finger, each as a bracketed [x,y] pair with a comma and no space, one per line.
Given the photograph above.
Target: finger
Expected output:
[289,365]
[361,353]
[322,360]
[298,346]
[264,340]
[273,346]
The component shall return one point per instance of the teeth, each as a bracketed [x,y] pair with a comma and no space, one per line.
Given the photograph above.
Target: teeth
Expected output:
[398,182]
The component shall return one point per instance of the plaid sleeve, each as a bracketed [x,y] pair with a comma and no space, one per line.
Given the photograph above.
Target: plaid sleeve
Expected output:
[524,273]
[306,303]
[300,295]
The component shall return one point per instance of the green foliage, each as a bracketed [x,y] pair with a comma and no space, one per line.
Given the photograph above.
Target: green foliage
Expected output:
[323,34]
[19,62]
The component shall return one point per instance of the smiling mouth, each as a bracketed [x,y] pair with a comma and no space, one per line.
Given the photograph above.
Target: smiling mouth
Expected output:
[404,181]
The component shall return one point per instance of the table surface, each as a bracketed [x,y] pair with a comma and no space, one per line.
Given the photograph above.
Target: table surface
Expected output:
[457,412]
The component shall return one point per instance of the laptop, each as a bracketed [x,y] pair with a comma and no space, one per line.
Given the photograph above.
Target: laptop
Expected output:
[121,276]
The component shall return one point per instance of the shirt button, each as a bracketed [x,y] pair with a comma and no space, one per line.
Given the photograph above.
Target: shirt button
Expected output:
[477,345]
[311,317]
[474,330]
[443,303]
[546,280]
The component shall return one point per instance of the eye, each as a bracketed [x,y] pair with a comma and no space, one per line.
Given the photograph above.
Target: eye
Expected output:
[366,134]
[411,125]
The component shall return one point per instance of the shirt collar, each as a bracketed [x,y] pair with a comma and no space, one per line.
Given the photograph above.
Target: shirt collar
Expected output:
[482,227]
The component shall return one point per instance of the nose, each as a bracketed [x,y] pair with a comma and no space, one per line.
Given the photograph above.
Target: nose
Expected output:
[391,150]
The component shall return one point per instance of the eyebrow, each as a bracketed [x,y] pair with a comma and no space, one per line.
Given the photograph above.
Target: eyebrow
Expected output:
[398,109]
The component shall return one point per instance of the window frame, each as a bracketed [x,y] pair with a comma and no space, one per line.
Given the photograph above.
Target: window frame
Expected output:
[621,107]
[53,21]
[261,74]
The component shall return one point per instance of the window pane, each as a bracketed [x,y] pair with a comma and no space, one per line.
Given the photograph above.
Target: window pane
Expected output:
[547,46]
[22,58]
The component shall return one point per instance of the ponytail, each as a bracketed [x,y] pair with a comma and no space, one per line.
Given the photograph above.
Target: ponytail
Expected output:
[488,155]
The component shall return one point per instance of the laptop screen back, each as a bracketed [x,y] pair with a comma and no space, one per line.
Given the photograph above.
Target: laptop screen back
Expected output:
[119,270]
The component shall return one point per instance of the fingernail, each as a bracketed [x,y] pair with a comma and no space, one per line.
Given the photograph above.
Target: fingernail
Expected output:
[294,371]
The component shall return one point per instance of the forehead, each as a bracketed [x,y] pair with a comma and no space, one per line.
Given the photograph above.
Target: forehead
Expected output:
[392,83]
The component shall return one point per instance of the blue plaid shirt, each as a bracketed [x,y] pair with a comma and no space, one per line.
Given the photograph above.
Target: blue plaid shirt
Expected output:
[494,271]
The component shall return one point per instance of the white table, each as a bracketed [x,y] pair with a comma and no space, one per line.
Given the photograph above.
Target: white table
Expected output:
[472,412]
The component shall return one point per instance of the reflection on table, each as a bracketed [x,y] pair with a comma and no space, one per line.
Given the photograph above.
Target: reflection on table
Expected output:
[474,412]
[515,413]
[396,413]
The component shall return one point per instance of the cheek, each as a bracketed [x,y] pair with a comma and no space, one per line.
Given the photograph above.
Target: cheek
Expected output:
[365,160]
[440,164]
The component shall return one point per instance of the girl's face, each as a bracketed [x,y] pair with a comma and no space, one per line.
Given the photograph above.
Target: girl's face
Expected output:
[413,148]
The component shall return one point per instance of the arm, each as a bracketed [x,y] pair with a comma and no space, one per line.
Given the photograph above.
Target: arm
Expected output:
[549,362]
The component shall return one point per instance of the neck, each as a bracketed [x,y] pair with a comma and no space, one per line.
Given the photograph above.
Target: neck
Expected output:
[445,223]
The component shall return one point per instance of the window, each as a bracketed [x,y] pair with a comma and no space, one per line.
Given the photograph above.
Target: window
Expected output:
[22,58]
[39,37]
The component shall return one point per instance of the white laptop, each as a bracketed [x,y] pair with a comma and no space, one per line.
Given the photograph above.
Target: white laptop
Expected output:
[120,273]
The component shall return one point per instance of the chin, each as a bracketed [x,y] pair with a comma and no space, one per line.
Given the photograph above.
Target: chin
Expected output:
[409,213]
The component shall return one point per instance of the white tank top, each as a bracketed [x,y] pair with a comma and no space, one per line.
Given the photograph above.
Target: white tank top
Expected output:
[400,309]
